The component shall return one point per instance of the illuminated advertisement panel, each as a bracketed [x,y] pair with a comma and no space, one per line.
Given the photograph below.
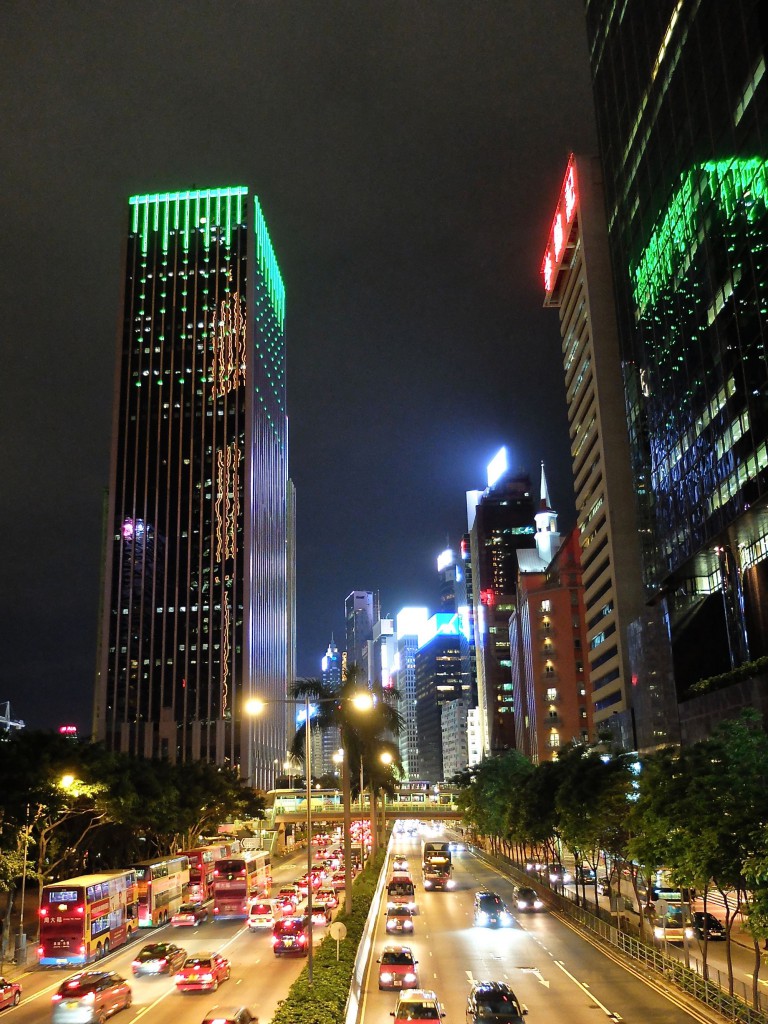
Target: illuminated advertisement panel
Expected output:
[560,235]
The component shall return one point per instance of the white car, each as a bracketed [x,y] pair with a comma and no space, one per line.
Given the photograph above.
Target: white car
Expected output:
[261,914]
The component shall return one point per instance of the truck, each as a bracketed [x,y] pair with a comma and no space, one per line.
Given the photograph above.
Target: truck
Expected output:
[436,865]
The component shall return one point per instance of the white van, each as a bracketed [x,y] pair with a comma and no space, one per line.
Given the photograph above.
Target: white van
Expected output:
[261,914]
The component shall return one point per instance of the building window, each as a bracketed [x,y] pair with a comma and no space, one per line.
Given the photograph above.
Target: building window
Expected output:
[546,606]
[554,739]
[551,694]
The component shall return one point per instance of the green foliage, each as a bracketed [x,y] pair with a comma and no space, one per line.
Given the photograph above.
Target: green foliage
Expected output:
[737,675]
[323,1002]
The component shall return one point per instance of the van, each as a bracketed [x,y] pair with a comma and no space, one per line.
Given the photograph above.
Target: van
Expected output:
[261,914]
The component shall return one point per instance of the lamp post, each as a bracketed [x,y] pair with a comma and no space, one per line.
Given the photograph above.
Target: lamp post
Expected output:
[363,702]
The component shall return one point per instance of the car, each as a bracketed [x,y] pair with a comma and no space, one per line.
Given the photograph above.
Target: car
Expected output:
[284,907]
[203,972]
[229,1015]
[706,924]
[493,1001]
[291,935]
[399,920]
[400,864]
[321,913]
[10,993]
[490,910]
[261,914]
[191,914]
[604,887]
[397,968]
[158,958]
[90,997]
[528,899]
[584,873]
[419,1004]
[401,891]
[339,880]
[557,874]
[327,894]
[290,892]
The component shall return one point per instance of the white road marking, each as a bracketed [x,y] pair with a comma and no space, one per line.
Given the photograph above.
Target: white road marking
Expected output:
[585,989]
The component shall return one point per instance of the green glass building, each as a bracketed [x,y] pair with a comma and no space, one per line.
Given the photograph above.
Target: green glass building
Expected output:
[196,582]
[681,98]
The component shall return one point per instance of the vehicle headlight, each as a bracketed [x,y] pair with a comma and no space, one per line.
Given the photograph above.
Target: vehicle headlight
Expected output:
[504,917]
[410,976]
[522,904]
[482,917]
[658,932]
[450,883]
[689,933]
[537,904]
[567,876]
[408,925]
[385,976]
[427,884]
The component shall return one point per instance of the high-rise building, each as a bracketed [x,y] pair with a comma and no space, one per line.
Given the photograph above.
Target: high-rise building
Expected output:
[327,742]
[578,281]
[500,521]
[361,610]
[196,581]
[681,96]
[453,729]
[438,681]
[409,624]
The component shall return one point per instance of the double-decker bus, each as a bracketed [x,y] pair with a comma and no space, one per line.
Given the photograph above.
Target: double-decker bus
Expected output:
[238,880]
[201,863]
[83,918]
[163,884]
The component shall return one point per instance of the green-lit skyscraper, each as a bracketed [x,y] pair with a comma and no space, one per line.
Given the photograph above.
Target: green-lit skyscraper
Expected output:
[681,97]
[195,609]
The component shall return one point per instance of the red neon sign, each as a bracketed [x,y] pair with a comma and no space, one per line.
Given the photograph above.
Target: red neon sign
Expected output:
[560,232]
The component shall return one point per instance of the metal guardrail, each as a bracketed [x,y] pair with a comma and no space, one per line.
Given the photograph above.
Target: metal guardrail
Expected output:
[712,992]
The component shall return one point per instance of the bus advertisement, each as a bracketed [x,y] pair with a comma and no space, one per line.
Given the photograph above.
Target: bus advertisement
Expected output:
[163,884]
[201,864]
[238,880]
[83,918]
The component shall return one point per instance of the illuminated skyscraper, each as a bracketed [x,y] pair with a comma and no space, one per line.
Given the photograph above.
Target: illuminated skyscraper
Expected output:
[681,96]
[500,520]
[196,585]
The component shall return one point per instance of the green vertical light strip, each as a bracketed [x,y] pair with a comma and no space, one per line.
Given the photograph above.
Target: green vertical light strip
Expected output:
[268,264]
[207,203]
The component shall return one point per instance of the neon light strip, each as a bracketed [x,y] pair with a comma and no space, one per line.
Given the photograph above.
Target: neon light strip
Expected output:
[217,214]
[268,264]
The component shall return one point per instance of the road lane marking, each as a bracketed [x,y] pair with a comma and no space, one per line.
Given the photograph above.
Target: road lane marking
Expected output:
[537,975]
[585,989]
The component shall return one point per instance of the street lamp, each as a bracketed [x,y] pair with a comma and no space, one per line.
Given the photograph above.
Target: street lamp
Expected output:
[254,706]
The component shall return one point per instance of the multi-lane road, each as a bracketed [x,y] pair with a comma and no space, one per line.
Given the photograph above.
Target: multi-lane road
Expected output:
[556,972]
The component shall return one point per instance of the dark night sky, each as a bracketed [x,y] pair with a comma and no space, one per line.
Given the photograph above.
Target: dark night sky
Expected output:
[408,156]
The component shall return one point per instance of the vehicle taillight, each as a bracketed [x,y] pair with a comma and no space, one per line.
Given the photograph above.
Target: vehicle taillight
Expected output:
[41,950]
[215,910]
[82,949]
[43,911]
[80,910]
[302,940]
[56,998]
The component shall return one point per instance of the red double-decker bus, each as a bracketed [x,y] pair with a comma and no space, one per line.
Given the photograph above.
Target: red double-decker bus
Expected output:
[83,918]
[201,865]
[239,879]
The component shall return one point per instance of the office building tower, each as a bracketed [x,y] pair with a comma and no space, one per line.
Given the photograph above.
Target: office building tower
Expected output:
[196,581]
[361,610]
[409,624]
[474,736]
[438,680]
[330,739]
[500,521]
[465,609]
[447,567]
[578,282]
[681,97]
[453,728]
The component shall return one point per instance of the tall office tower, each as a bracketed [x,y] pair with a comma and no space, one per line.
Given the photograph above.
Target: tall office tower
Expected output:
[500,521]
[453,730]
[331,675]
[681,99]
[447,574]
[465,608]
[578,281]
[438,681]
[361,610]
[409,623]
[195,609]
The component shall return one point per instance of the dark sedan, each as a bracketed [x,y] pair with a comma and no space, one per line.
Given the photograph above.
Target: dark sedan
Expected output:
[158,958]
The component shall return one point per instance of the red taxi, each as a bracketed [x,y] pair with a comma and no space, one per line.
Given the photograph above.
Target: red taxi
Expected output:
[203,973]
[397,968]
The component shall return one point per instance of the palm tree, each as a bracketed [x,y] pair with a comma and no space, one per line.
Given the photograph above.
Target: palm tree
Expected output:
[364,735]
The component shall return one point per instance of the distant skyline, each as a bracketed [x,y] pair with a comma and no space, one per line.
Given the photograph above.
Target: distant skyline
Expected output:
[409,158]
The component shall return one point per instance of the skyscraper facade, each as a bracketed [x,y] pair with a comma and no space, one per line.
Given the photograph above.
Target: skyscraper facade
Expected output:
[681,97]
[500,521]
[438,681]
[361,610]
[409,623]
[578,281]
[330,741]
[196,583]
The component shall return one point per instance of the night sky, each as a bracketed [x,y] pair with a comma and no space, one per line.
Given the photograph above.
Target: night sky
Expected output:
[408,157]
